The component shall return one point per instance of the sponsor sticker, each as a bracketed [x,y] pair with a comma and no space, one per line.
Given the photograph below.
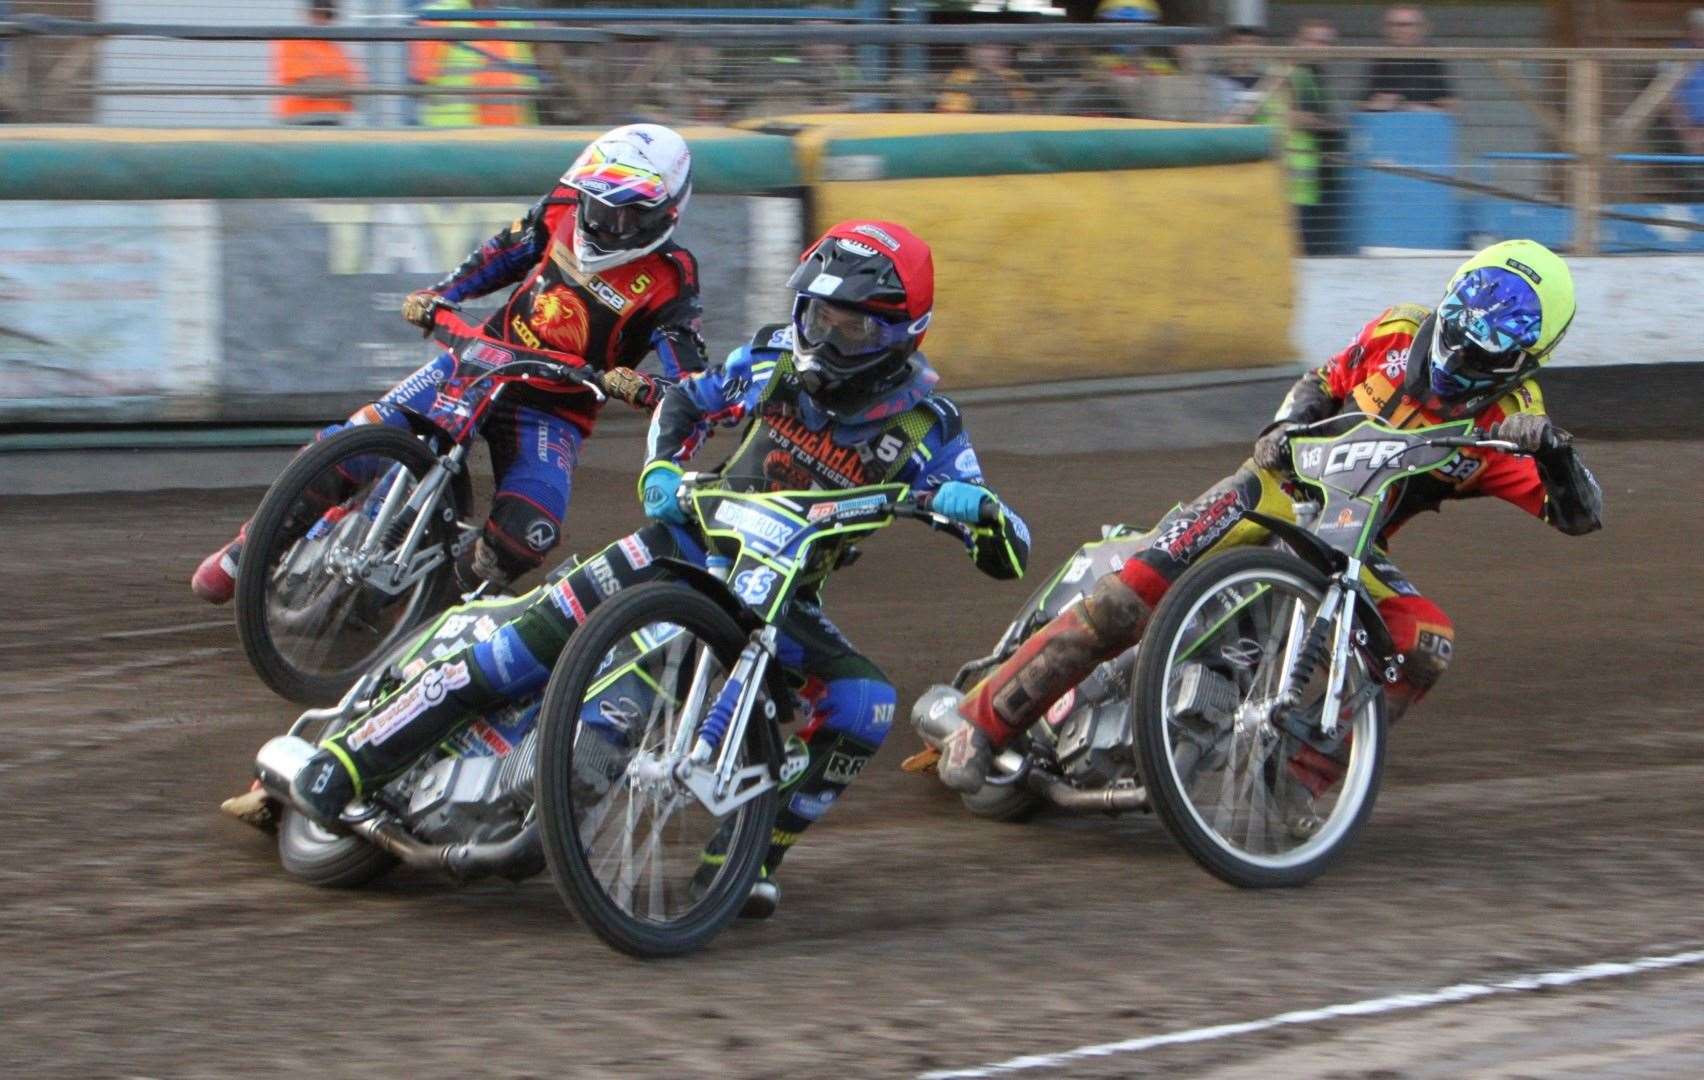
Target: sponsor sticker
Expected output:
[603,576]
[634,550]
[565,600]
[1078,568]
[811,806]
[753,524]
[855,247]
[844,768]
[754,585]
[796,761]
[431,690]
[878,234]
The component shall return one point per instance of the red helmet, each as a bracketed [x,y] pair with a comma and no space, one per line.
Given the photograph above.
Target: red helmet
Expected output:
[862,305]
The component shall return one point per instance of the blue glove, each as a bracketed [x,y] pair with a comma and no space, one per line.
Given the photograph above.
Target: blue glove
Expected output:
[657,487]
[960,501]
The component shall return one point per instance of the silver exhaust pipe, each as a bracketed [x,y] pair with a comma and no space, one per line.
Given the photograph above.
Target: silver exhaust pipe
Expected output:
[935,714]
[1118,800]
[520,856]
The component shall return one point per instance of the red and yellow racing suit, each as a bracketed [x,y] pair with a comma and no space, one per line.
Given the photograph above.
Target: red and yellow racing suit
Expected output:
[1372,376]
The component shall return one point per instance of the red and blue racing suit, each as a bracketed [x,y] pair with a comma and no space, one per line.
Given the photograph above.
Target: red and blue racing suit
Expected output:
[612,319]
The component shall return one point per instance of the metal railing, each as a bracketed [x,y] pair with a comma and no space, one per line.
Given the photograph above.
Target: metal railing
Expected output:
[1412,150]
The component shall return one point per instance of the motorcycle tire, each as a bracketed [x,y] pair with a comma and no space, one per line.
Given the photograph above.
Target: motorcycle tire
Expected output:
[1173,804]
[325,859]
[270,536]
[612,623]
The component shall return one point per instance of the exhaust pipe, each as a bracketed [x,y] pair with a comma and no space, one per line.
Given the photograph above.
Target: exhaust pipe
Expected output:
[935,714]
[1120,800]
[521,856]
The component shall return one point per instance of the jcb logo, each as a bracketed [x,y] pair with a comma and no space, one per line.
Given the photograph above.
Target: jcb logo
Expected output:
[1374,454]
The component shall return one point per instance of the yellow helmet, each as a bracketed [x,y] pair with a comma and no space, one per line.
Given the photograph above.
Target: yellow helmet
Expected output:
[1503,314]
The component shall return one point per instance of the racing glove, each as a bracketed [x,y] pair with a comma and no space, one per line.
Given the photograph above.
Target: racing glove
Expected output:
[658,486]
[1533,433]
[638,390]
[420,307]
[960,501]
[1272,449]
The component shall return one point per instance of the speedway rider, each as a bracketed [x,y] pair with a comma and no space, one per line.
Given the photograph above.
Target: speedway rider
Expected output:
[839,398]
[1502,315]
[596,277]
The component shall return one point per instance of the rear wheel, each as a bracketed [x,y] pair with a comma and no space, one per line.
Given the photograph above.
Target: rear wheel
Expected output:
[1257,799]
[308,621]
[639,858]
[312,853]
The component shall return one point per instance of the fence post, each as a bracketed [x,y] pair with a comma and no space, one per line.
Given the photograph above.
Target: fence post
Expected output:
[1585,136]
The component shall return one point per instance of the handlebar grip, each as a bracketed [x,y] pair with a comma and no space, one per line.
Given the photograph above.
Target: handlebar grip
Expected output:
[989,512]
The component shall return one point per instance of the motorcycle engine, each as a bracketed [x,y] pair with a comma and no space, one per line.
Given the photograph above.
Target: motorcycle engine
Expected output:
[1090,727]
[477,797]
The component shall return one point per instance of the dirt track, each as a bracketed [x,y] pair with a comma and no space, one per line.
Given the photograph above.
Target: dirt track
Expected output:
[1541,810]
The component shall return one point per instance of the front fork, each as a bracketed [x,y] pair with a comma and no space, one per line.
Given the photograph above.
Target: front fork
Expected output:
[708,769]
[1303,654]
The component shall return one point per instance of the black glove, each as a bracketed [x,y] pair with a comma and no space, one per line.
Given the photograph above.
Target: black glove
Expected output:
[1272,449]
[637,389]
[420,307]
[1533,433]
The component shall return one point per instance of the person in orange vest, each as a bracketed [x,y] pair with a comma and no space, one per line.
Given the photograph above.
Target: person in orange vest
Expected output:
[478,65]
[310,65]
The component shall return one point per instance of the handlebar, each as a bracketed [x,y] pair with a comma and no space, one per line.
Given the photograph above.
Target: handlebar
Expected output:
[1471,443]
[918,509]
[456,334]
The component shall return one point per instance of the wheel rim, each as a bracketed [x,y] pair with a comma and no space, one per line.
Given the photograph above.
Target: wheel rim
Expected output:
[1255,790]
[656,854]
[321,622]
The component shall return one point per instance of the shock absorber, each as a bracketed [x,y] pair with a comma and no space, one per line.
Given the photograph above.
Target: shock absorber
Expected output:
[716,724]
[1314,651]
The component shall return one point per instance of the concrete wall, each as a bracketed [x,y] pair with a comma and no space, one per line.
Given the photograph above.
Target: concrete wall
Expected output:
[1632,309]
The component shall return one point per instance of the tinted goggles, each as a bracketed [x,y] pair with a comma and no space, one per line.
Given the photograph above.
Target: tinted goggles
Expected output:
[846,331]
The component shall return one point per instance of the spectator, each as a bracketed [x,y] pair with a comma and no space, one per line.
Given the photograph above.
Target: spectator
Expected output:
[1405,83]
[301,64]
[488,66]
[1316,139]
[987,84]
[1119,81]
[1685,111]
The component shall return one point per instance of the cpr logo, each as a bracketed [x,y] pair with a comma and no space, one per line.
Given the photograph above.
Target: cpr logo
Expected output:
[1375,454]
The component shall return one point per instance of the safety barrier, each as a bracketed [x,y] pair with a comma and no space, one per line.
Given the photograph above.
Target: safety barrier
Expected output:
[1070,247]
[1065,248]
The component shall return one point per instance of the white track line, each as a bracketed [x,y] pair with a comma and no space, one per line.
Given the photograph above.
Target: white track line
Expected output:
[1449,995]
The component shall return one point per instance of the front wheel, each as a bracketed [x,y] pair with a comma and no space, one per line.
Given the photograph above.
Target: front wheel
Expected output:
[639,858]
[1257,799]
[309,615]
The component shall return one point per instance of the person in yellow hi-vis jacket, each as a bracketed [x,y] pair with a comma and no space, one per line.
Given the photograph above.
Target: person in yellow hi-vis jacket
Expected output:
[476,65]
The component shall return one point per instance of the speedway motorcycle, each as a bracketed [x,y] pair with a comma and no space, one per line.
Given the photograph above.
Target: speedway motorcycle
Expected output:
[1251,717]
[355,543]
[659,779]
[646,776]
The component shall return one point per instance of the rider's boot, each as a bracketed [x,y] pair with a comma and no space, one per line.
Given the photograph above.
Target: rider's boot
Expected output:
[765,895]
[478,566]
[215,580]
[1054,659]
[322,788]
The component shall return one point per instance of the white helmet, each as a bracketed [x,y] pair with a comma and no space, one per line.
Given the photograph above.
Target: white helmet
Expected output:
[633,184]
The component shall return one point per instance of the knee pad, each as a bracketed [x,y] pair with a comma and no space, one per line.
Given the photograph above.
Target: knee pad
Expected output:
[1115,612]
[519,533]
[860,709]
